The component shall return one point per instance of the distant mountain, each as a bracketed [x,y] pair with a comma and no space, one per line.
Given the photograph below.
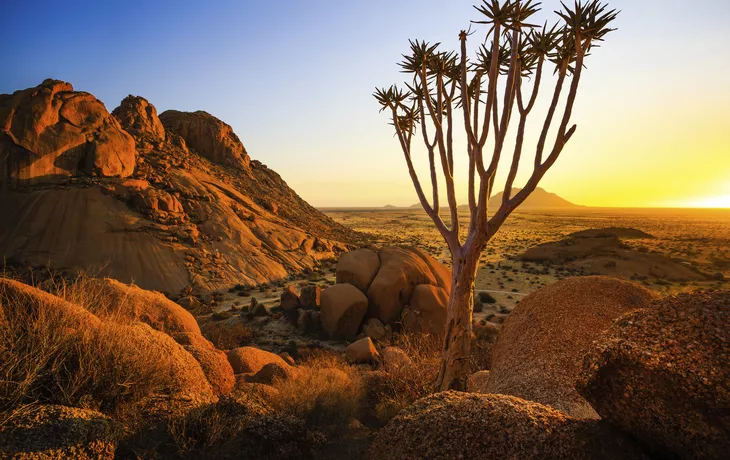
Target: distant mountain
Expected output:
[540,198]
[389,206]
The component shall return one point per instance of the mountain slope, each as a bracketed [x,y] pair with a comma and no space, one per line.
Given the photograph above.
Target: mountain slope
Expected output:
[162,214]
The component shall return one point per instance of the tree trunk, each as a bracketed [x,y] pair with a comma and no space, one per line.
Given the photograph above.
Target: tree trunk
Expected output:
[457,340]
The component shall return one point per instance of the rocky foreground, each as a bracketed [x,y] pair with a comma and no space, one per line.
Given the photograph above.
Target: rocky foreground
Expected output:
[586,368]
[172,203]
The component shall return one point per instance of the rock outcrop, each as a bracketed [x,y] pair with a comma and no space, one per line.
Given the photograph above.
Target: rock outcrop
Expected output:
[181,220]
[51,132]
[139,118]
[401,270]
[603,251]
[663,375]
[539,352]
[250,360]
[208,136]
[358,268]
[466,425]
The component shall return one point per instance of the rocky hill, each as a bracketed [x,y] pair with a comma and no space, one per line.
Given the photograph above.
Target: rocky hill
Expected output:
[172,202]
[540,198]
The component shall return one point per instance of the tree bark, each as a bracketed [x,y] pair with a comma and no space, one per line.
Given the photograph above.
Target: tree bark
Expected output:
[457,339]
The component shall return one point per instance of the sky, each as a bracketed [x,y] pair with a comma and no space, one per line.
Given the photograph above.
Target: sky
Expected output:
[295,80]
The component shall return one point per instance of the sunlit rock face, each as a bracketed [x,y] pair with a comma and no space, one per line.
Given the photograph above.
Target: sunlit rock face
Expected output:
[209,136]
[124,196]
[51,132]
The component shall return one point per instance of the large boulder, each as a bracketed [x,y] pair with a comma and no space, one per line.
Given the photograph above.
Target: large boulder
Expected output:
[250,360]
[401,270]
[358,268]
[663,375]
[465,425]
[343,308]
[56,432]
[52,132]
[426,312]
[139,118]
[135,304]
[209,136]
[213,362]
[539,352]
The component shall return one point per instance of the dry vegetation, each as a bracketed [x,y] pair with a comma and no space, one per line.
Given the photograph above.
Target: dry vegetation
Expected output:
[66,356]
[46,356]
[699,238]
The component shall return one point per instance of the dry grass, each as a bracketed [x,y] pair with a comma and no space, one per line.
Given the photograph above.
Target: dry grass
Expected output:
[326,393]
[45,357]
[390,392]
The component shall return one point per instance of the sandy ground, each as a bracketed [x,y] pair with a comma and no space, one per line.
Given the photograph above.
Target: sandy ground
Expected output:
[700,238]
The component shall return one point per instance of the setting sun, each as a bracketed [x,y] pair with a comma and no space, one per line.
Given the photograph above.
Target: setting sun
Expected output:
[365,230]
[712,202]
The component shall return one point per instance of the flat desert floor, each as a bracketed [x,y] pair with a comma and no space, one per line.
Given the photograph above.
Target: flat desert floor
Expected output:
[698,239]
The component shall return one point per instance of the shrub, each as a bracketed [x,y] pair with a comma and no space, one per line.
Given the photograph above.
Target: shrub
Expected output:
[389,392]
[486,297]
[326,393]
[240,427]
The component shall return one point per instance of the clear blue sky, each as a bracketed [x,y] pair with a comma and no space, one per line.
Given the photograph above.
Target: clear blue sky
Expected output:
[294,79]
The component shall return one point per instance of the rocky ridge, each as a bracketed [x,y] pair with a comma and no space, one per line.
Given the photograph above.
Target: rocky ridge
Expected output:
[140,203]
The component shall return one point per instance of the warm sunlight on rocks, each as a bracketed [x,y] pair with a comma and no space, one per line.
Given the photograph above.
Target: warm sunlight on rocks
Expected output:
[216,244]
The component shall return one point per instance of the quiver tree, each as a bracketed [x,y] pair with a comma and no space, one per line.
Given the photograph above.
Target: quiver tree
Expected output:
[488,90]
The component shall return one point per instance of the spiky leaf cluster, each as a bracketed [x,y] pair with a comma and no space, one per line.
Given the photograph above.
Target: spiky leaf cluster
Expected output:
[512,15]
[391,98]
[588,21]
[423,55]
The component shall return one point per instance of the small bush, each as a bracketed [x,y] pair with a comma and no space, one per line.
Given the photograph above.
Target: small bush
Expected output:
[486,297]
[389,392]
[326,393]
[240,427]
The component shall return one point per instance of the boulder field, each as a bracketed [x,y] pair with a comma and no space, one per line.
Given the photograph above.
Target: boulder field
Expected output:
[169,202]
[603,369]
[400,288]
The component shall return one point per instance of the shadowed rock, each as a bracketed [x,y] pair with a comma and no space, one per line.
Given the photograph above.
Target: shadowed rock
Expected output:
[663,375]
[465,425]
[47,432]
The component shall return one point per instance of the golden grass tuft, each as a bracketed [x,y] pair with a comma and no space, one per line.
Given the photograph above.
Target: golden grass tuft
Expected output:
[390,392]
[326,392]
[48,357]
